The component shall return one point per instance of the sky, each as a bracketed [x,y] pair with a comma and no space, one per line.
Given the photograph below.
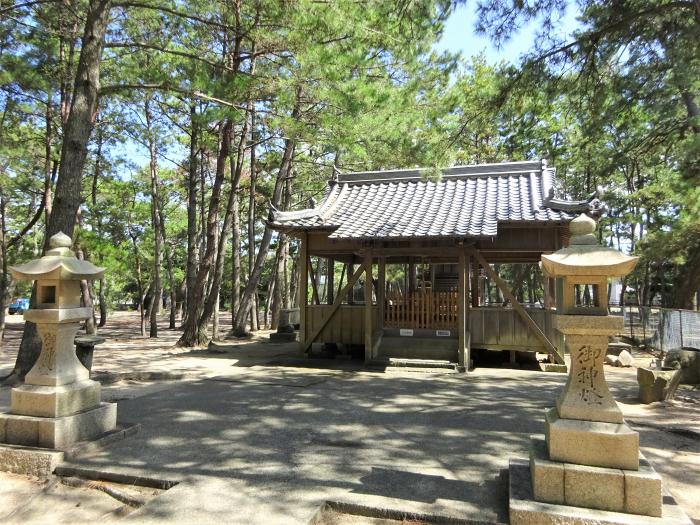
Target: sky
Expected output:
[459,35]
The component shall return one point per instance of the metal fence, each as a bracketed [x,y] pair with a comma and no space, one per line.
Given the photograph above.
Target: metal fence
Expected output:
[660,328]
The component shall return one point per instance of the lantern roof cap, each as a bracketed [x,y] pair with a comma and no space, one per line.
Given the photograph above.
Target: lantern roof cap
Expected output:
[59,263]
[585,256]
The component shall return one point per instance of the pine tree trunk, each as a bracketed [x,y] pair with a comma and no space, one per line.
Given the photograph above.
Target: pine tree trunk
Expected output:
[237,171]
[251,241]
[293,283]
[77,132]
[195,329]
[170,269]
[103,304]
[3,254]
[247,300]
[687,280]
[86,298]
[155,220]
[191,273]
[216,286]
[236,258]
[212,302]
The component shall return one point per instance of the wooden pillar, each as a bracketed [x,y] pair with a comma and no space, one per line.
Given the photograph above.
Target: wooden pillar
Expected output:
[549,292]
[475,283]
[381,292]
[467,293]
[368,305]
[351,271]
[302,288]
[330,281]
[461,310]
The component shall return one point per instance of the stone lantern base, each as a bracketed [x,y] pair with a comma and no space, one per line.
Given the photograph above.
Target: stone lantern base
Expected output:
[589,484]
[57,432]
[560,485]
[56,416]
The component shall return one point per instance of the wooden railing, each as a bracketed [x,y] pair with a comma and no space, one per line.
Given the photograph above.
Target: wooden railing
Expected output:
[421,309]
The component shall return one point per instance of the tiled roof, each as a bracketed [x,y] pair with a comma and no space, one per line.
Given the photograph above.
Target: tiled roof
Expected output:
[467,201]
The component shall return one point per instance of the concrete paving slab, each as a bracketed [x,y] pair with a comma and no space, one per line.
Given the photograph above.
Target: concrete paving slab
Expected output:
[402,442]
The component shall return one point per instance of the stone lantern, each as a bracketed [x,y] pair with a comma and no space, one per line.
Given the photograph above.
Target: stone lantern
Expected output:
[59,404]
[588,468]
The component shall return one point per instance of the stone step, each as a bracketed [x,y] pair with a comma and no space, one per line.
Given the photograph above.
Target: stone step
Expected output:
[423,348]
[395,362]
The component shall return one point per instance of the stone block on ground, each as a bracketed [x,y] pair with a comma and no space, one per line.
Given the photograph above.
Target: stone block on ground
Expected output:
[553,367]
[625,359]
[657,385]
[593,443]
[28,461]
[615,347]
[612,360]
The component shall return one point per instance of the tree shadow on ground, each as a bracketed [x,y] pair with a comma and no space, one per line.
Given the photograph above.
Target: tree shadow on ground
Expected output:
[430,443]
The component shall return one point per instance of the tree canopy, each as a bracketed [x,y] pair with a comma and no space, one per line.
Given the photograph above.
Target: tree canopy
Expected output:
[160,134]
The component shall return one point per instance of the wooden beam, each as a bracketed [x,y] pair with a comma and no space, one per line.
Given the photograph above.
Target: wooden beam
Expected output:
[306,344]
[467,325]
[368,305]
[550,348]
[302,288]
[461,309]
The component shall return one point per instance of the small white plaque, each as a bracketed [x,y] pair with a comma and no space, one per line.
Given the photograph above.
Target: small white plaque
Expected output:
[443,333]
[406,332]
